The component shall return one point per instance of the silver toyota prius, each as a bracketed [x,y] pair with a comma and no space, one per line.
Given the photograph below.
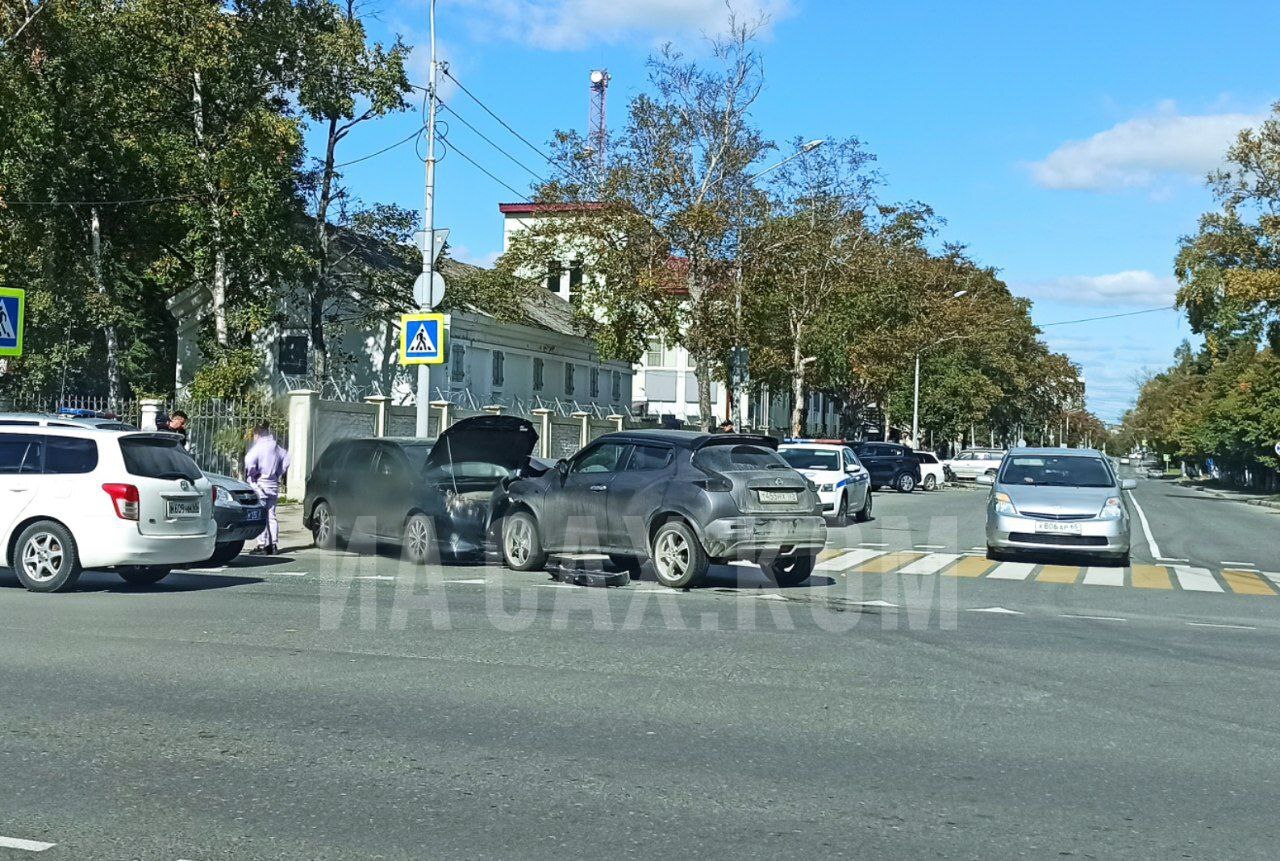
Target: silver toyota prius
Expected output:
[1047,499]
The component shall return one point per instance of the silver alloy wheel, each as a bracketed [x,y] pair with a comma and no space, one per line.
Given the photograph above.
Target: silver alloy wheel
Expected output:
[42,557]
[324,522]
[418,537]
[671,555]
[519,541]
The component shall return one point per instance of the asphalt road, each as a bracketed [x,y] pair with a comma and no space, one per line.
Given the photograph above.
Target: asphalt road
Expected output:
[347,706]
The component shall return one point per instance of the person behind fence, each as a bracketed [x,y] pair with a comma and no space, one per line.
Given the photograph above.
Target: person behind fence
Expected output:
[265,465]
[178,424]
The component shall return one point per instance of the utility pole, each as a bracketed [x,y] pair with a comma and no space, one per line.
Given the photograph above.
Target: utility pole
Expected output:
[100,286]
[915,408]
[422,424]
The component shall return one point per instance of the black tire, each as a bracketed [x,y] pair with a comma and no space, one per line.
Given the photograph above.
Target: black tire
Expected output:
[628,563]
[995,555]
[522,548]
[905,482]
[45,558]
[678,557]
[143,575]
[224,553]
[1123,561]
[865,513]
[418,542]
[790,570]
[930,482]
[324,527]
[841,513]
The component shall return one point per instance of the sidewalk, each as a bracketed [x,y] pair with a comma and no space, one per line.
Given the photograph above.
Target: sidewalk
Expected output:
[293,535]
[1222,491]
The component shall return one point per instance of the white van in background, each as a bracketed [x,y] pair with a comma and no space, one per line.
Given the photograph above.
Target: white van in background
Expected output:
[73,498]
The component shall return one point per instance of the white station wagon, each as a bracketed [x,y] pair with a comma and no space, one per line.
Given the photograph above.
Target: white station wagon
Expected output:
[76,498]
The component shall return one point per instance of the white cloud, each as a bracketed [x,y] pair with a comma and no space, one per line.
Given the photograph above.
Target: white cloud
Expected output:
[1134,287]
[576,24]
[484,259]
[1141,151]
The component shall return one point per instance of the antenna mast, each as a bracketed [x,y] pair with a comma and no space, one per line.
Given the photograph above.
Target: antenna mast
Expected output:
[597,127]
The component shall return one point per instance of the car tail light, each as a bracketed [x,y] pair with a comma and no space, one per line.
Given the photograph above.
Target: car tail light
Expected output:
[125,498]
[714,481]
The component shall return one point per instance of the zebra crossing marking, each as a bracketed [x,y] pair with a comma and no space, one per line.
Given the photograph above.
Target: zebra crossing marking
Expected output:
[847,560]
[1058,574]
[970,566]
[930,564]
[1247,583]
[888,563]
[1097,576]
[1151,577]
[1012,571]
[1195,579]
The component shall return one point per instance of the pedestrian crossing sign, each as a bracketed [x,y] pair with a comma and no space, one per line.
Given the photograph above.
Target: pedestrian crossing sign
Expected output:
[422,339]
[13,311]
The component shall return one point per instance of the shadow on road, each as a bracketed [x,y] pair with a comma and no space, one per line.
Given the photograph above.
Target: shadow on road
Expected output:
[108,581]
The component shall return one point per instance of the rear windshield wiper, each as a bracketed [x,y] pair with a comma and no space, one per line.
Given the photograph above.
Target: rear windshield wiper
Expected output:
[173,475]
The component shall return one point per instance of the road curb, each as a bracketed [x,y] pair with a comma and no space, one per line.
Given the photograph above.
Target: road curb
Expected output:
[1219,494]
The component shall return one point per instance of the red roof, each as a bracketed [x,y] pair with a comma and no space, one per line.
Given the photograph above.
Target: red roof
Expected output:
[534,208]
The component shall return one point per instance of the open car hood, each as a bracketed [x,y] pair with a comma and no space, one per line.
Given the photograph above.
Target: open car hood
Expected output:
[506,441]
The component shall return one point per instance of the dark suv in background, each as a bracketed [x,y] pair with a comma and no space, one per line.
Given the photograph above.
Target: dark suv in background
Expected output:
[891,464]
[682,499]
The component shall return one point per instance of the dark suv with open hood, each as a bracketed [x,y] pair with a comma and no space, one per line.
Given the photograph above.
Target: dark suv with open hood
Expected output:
[417,491]
[679,498]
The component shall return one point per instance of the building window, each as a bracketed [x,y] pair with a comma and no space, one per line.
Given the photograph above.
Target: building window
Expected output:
[595,382]
[654,357]
[553,276]
[292,356]
[458,363]
[617,386]
[568,378]
[575,277]
[499,360]
[537,374]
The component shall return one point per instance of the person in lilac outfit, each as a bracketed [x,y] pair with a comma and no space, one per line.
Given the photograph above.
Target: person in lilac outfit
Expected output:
[265,465]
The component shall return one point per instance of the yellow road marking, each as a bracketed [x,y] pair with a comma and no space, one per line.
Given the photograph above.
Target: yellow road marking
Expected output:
[830,553]
[1058,574]
[887,563]
[1151,577]
[970,566]
[1247,583]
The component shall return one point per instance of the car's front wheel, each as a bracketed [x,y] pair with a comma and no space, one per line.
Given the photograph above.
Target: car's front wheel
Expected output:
[905,483]
[678,557]
[930,482]
[143,575]
[324,529]
[522,548]
[419,539]
[46,558]
[841,517]
[864,514]
[791,570]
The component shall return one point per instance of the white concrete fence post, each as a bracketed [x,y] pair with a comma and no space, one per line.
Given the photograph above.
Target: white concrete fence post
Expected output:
[302,440]
[618,421]
[584,420]
[382,403]
[493,409]
[444,408]
[150,413]
[542,416]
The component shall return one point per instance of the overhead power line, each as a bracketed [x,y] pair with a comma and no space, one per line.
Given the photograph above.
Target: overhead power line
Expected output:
[490,142]
[128,202]
[1110,316]
[416,132]
[454,148]
[500,120]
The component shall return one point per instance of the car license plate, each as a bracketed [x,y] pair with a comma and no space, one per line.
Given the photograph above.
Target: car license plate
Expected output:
[1055,528]
[253,514]
[777,496]
[184,508]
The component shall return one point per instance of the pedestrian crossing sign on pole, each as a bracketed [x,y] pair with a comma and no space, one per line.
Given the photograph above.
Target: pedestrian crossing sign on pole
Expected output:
[13,312]
[422,339]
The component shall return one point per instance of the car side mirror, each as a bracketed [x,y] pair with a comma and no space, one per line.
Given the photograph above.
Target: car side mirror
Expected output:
[1128,483]
[986,479]
[562,468]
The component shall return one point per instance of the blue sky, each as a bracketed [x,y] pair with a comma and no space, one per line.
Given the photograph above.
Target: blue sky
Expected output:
[1064,143]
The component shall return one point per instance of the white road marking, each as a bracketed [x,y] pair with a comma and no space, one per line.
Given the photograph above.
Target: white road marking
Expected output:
[771,597]
[286,573]
[1196,579]
[1170,559]
[25,845]
[1012,571]
[847,560]
[561,586]
[1146,527]
[373,577]
[871,544]
[655,590]
[1274,578]
[1095,618]
[474,582]
[1001,610]
[1215,625]
[1226,564]
[931,547]
[876,603]
[1098,576]
[931,564]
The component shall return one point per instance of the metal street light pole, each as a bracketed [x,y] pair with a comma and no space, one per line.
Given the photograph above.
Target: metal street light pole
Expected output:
[740,393]
[422,423]
[915,408]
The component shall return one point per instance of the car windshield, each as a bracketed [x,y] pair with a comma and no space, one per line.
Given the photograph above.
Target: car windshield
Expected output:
[1051,471]
[811,458]
[739,458]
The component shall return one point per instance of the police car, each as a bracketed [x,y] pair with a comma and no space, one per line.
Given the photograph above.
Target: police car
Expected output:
[844,485]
